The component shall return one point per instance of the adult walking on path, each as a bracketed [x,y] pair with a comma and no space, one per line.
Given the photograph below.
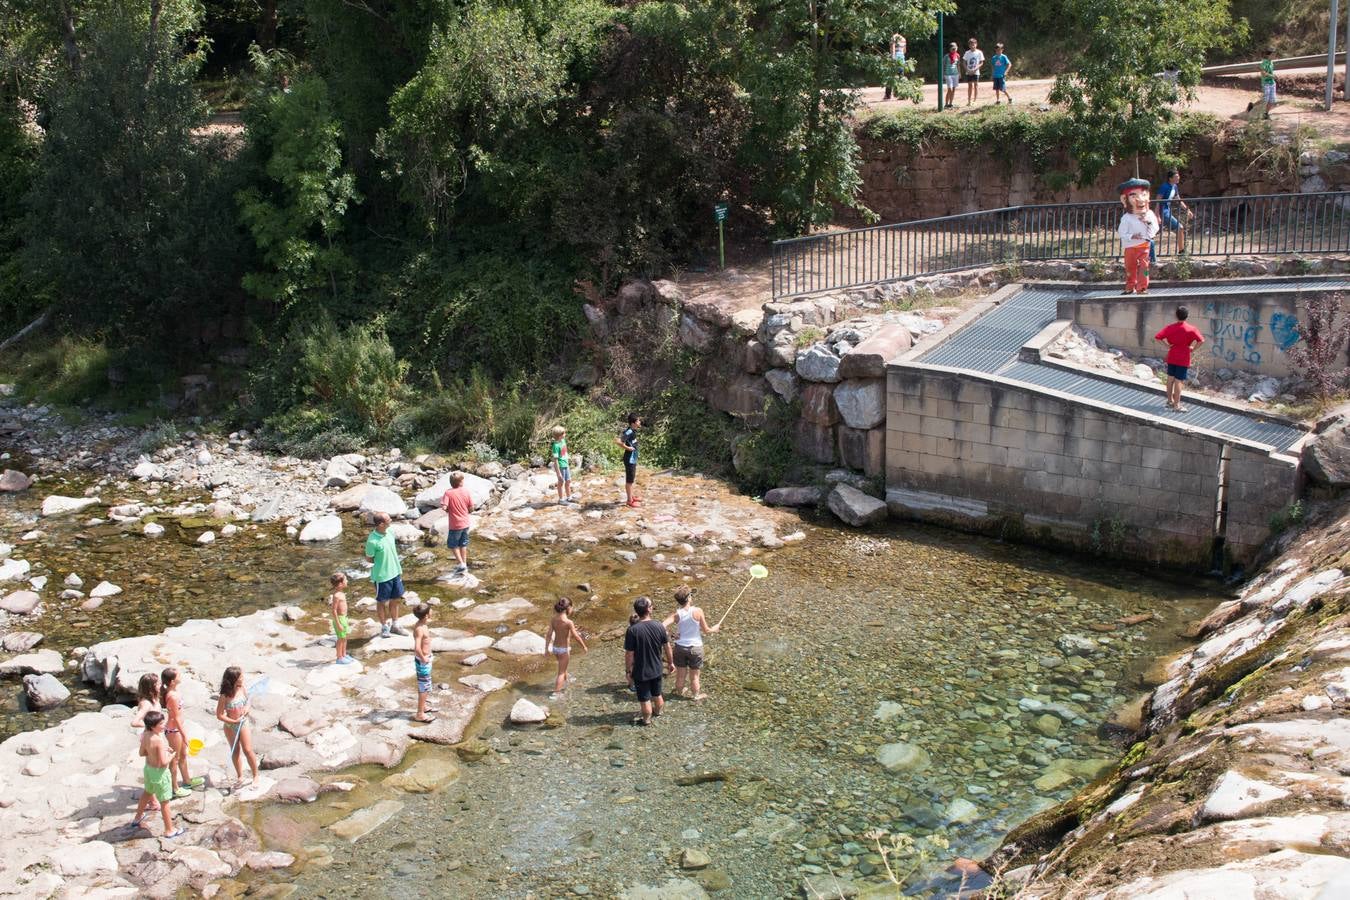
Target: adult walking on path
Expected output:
[691,625]
[1169,192]
[628,440]
[458,504]
[647,657]
[387,573]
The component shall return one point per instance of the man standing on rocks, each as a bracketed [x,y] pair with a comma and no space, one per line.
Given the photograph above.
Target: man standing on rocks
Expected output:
[647,656]
[387,573]
[628,441]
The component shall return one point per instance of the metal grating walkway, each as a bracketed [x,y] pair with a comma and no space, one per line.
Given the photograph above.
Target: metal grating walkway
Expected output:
[990,345]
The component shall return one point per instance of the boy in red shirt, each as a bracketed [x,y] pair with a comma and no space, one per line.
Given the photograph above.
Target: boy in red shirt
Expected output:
[458,504]
[1181,338]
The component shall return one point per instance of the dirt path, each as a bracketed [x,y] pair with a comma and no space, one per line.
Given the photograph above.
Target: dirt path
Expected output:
[1223,101]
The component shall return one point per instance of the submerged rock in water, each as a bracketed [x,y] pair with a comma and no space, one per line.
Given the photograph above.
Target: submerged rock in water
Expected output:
[522,643]
[855,508]
[56,505]
[364,821]
[12,481]
[44,691]
[526,713]
[20,641]
[902,757]
[20,603]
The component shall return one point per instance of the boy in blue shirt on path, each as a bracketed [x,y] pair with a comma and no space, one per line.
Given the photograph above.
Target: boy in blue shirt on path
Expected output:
[1000,65]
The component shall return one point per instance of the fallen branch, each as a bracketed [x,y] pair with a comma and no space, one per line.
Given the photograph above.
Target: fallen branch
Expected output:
[26,330]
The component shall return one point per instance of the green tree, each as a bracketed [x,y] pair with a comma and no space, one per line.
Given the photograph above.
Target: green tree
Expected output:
[123,215]
[802,78]
[294,210]
[1118,105]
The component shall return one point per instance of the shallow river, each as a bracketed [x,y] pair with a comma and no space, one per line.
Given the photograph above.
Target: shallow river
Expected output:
[981,659]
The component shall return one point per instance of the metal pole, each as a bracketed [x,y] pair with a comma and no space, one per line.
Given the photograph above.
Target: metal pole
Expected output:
[941,48]
[721,249]
[1331,50]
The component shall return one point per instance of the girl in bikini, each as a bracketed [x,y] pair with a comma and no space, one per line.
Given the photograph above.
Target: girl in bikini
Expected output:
[173,730]
[558,641]
[147,699]
[232,709]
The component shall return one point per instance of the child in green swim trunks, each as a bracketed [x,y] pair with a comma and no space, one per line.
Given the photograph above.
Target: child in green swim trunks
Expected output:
[342,626]
[158,781]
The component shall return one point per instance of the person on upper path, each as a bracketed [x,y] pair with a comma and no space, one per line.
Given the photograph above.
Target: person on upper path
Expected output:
[899,47]
[1182,338]
[458,505]
[1138,228]
[1267,81]
[1000,66]
[628,440]
[951,74]
[688,652]
[386,572]
[1169,192]
[972,62]
[647,657]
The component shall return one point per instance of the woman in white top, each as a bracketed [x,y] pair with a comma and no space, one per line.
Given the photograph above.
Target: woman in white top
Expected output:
[688,649]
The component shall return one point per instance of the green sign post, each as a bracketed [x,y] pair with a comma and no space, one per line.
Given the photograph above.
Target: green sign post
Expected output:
[720,214]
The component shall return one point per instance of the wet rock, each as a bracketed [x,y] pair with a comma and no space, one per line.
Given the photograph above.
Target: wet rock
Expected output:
[673,889]
[855,508]
[903,757]
[20,603]
[73,580]
[153,529]
[12,481]
[44,691]
[426,775]
[263,861]
[1053,779]
[474,659]
[57,505]
[500,611]
[1047,725]
[20,641]
[105,589]
[14,569]
[1077,644]
[526,713]
[829,884]
[324,528]
[961,811]
[364,821]
[793,496]
[91,605]
[206,537]
[296,789]
[485,683]
[1236,796]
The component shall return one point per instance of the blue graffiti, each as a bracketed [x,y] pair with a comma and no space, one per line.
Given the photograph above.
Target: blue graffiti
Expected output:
[1224,340]
[1284,329]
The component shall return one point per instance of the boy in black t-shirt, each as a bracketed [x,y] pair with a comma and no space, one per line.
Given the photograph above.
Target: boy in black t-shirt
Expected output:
[647,657]
[628,441]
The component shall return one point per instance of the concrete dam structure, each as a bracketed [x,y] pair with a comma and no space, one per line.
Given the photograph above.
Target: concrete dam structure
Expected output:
[984,432]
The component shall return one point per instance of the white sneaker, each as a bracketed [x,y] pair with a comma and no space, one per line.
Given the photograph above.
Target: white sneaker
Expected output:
[384,630]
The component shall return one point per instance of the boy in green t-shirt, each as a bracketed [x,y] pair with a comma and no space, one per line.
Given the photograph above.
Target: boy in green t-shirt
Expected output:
[1268,80]
[561,467]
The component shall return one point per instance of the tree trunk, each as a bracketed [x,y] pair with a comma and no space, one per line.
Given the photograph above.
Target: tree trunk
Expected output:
[812,174]
[267,30]
[152,41]
[68,35]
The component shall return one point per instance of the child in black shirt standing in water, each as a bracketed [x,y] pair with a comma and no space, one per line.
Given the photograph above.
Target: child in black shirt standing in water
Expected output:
[628,441]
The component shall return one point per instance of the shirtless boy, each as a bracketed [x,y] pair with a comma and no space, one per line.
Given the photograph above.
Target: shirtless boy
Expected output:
[342,626]
[157,782]
[422,660]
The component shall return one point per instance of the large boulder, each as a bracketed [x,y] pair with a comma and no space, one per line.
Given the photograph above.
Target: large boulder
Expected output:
[56,505]
[694,334]
[854,507]
[349,499]
[815,442]
[13,481]
[38,662]
[793,496]
[20,641]
[784,383]
[863,449]
[15,569]
[819,362]
[382,500]
[324,528]
[480,489]
[527,713]
[20,603]
[339,473]
[1326,458]
[522,643]
[741,395]
[862,402]
[868,359]
[818,406]
[44,691]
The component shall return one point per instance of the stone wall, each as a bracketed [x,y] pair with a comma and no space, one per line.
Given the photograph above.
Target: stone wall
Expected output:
[979,452]
[1249,332]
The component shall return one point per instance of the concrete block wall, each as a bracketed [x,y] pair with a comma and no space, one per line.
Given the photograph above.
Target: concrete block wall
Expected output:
[1247,332]
[1259,486]
[1069,470]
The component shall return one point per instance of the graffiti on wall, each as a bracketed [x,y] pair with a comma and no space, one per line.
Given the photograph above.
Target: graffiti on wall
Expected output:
[1235,332]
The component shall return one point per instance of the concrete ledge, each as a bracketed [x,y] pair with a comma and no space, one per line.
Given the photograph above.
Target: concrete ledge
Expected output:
[928,342]
[1031,351]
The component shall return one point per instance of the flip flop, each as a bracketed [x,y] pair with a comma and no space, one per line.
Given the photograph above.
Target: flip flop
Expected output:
[424,721]
[196,782]
[138,823]
[176,833]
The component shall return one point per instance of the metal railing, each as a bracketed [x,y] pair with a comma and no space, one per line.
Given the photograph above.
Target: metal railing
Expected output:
[1215,226]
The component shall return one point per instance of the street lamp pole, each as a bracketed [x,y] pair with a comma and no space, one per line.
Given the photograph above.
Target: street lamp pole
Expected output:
[941,46]
[1331,51]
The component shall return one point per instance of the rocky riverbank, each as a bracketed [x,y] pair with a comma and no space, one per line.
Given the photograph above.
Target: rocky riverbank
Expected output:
[1237,785]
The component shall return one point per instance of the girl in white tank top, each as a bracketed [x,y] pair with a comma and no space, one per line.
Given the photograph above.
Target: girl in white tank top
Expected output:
[690,628]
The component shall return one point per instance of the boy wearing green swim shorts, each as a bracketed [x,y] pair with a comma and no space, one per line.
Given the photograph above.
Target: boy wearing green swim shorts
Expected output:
[342,626]
[158,782]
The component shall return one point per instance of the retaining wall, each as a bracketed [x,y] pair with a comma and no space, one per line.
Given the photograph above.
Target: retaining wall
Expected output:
[979,452]
[1249,332]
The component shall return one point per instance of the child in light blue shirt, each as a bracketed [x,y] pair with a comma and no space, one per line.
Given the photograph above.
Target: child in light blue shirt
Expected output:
[1000,65]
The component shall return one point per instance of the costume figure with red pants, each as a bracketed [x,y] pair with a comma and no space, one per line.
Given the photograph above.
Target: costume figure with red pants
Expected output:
[1138,228]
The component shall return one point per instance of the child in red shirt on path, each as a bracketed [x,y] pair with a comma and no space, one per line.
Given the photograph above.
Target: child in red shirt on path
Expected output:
[1181,338]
